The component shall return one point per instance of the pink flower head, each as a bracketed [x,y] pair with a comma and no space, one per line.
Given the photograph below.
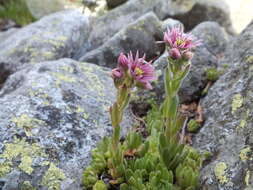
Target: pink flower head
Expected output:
[141,71]
[175,38]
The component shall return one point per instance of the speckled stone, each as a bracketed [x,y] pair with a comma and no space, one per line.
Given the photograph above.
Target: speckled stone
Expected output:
[55,36]
[141,35]
[52,115]
[227,132]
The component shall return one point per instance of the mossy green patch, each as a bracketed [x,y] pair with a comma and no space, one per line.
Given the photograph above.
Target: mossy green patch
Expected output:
[237,102]
[212,74]
[220,172]
[244,154]
[53,177]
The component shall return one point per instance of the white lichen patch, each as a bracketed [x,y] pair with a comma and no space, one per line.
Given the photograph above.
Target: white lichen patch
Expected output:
[53,177]
[220,172]
[237,102]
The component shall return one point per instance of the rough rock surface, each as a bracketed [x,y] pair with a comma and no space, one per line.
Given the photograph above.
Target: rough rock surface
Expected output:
[202,10]
[52,115]
[55,36]
[170,23]
[227,132]
[5,34]
[214,40]
[109,24]
[140,35]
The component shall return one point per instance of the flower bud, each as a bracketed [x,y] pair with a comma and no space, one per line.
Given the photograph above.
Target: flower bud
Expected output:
[116,73]
[123,61]
[188,55]
[175,53]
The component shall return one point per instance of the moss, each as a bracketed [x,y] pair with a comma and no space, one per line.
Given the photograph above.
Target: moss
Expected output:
[220,172]
[100,185]
[27,123]
[193,126]
[16,10]
[53,177]
[26,151]
[237,102]
[212,74]
[244,154]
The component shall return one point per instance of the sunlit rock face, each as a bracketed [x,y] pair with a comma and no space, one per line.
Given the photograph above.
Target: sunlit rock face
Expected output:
[42,8]
[227,132]
[53,37]
[141,35]
[52,115]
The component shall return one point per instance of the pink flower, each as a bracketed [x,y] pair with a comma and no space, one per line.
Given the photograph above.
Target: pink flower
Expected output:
[141,71]
[175,38]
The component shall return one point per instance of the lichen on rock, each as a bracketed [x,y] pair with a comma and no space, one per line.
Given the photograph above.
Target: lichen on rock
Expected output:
[220,172]
[237,102]
[244,154]
[53,177]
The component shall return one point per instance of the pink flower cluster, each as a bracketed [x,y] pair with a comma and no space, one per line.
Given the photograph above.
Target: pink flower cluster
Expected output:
[180,44]
[140,71]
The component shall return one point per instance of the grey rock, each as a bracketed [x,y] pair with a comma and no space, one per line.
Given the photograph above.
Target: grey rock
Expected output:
[114,3]
[56,36]
[52,114]
[106,26]
[227,132]
[140,35]
[202,10]
[170,23]
[214,41]
[5,34]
